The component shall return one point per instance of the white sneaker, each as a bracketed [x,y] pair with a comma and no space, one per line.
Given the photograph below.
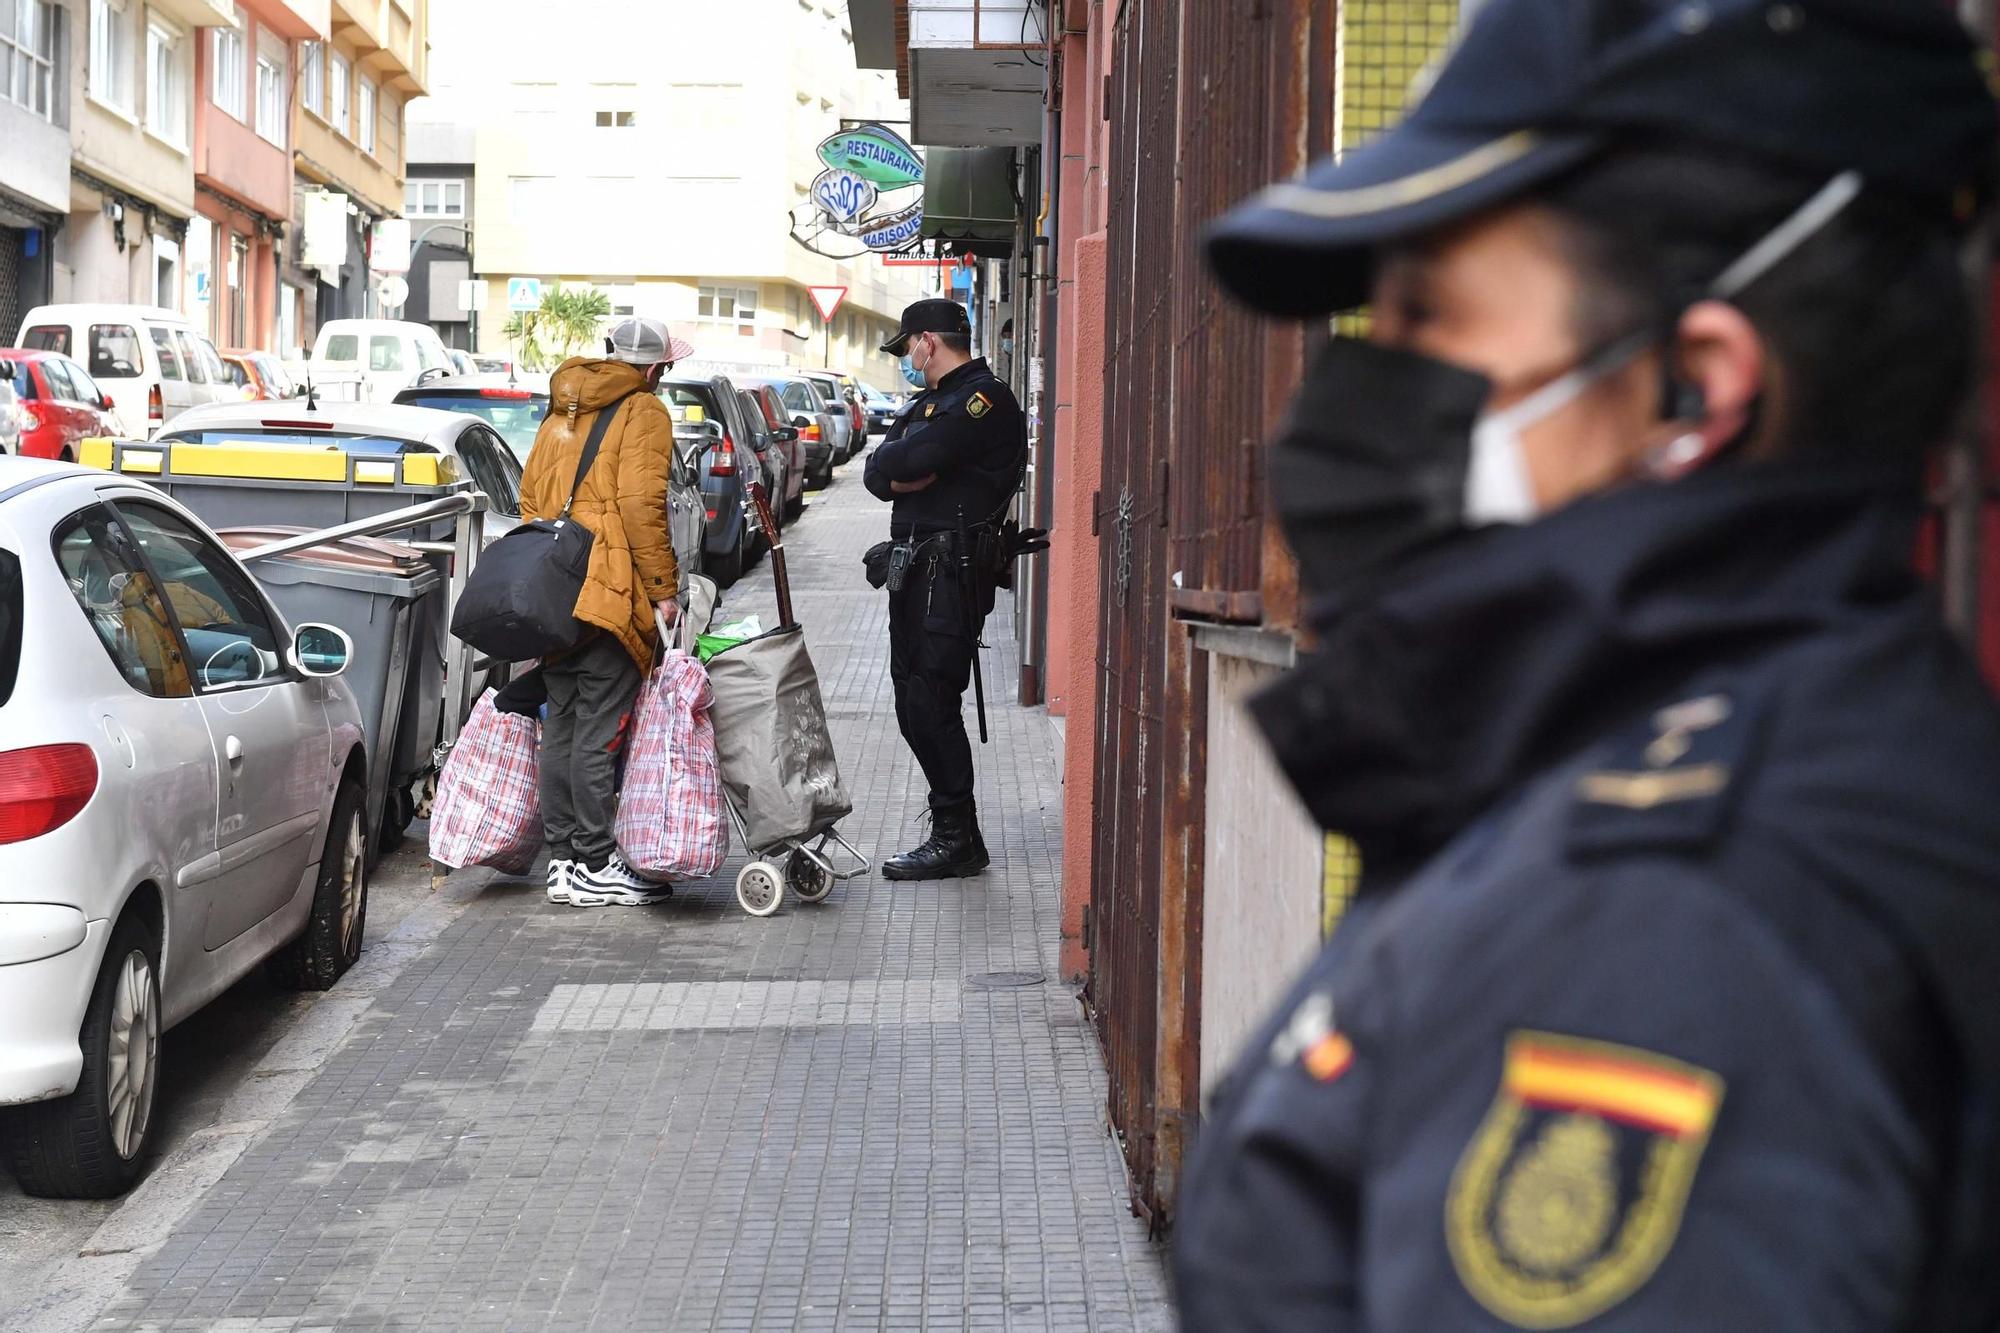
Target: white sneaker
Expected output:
[616,885]
[560,875]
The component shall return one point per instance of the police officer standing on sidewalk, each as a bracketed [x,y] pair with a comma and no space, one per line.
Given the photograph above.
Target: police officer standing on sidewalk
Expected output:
[950,465]
[1666,1002]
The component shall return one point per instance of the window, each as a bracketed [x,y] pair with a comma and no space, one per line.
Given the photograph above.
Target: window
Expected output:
[114,352]
[488,460]
[230,635]
[624,298]
[56,372]
[312,77]
[531,200]
[10,624]
[434,199]
[166,83]
[273,105]
[724,305]
[48,338]
[705,108]
[343,347]
[385,352]
[229,88]
[621,120]
[211,359]
[366,109]
[336,91]
[123,604]
[28,55]
[85,387]
[111,52]
[170,355]
[191,359]
[239,290]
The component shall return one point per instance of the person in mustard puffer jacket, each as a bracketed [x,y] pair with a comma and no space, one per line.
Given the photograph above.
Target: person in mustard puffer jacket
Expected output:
[592,688]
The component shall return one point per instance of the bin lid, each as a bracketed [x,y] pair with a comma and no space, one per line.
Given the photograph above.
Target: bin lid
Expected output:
[373,553]
[362,564]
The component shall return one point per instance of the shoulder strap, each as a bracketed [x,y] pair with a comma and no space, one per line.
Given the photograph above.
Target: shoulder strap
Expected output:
[601,424]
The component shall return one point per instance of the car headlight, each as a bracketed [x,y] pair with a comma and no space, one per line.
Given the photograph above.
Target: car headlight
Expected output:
[30,932]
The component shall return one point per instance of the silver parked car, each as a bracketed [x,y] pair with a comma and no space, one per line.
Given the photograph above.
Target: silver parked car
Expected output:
[182,798]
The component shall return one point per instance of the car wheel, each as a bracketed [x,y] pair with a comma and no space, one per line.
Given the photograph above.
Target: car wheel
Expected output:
[331,941]
[90,1144]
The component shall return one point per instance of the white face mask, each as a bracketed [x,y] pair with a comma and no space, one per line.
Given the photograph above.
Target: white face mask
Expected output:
[1498,488]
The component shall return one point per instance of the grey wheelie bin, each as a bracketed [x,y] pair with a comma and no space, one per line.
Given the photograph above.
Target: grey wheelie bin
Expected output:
[388,598]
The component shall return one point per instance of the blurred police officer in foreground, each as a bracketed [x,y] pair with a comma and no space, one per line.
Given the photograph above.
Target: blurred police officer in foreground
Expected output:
[952,458]
[1668,999]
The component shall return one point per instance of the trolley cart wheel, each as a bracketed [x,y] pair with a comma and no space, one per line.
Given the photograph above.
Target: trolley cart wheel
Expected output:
[760,888]
[806,878]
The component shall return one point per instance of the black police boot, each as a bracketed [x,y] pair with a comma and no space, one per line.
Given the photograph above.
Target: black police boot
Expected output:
[953,851]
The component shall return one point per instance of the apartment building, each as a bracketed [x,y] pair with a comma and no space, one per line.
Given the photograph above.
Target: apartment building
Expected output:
[243,165]
[348,158]
[660,168]
[34,169]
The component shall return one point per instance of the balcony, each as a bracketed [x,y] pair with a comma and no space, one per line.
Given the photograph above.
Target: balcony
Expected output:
[390,41]
[294,20]
[964,64]
[199,13]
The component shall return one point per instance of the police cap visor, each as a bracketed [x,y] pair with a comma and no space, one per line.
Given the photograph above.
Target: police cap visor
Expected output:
[1888,88]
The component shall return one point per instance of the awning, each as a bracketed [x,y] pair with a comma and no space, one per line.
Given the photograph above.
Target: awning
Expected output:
[969,200]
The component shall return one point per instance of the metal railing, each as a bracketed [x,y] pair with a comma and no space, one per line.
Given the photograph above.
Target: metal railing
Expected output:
[468,538]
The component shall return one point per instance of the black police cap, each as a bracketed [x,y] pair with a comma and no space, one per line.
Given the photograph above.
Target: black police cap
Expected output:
[934,315]
[1891,89]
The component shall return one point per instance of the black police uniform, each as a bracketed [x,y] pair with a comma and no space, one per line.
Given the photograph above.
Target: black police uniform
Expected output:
[970,434]
[1666,1003]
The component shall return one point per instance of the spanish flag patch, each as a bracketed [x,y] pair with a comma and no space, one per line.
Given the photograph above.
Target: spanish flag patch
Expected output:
[1570,1194]
[978,405]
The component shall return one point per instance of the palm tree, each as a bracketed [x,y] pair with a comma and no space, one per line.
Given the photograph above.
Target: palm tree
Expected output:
[572,318]
[523,330]
[569,319]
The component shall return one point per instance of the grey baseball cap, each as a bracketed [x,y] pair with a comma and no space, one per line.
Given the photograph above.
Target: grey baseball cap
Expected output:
[644,342]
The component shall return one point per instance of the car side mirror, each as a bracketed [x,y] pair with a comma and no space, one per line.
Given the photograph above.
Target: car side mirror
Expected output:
[784,434]
[321,651]
[104,403]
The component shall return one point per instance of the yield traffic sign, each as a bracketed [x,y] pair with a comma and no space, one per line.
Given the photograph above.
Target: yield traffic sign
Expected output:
[827,300]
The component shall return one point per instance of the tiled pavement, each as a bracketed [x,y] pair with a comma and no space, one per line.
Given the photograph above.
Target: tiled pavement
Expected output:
[686,1118]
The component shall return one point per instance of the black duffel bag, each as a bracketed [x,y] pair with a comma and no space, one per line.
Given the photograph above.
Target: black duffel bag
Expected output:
[520,603]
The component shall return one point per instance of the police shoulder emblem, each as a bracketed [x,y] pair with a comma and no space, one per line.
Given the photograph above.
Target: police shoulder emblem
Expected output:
[1570,1194]
[930,409]
[978,405]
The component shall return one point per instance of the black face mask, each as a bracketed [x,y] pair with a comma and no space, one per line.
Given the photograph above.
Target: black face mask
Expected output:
[1371,464]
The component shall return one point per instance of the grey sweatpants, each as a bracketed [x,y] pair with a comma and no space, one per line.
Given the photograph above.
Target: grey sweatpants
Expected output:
[591,694]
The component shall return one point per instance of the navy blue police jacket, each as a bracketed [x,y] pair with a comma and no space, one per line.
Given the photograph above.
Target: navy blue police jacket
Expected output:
[1666,1002]
[969,433]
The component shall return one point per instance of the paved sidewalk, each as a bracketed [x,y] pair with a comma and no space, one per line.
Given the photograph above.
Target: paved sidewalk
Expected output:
[685,1118]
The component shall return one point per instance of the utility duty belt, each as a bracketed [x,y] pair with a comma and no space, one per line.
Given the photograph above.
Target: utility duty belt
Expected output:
[993,548]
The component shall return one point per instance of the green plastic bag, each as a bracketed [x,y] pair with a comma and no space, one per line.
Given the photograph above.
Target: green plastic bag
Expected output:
[708,647]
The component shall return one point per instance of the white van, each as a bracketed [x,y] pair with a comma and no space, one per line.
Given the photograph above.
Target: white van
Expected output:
[152,362]
[386,354]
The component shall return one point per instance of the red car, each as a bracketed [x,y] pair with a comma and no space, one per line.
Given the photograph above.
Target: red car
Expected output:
[259,375]
[60,404]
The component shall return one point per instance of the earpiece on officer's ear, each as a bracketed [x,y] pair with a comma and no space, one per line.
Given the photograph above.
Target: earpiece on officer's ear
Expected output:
[1682,400]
